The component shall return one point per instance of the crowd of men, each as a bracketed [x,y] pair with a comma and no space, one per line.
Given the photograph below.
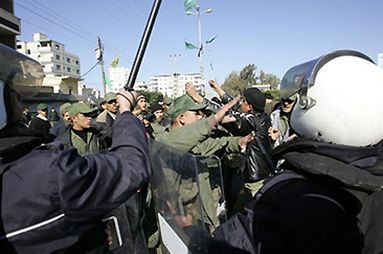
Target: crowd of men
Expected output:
[288,185]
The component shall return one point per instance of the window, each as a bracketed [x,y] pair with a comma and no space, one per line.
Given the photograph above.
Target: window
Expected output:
[57,46]
[78,71]
[18,46]
[57,57]
[68,59]
[68,69]
[58,67]
[77,62]
[28,51]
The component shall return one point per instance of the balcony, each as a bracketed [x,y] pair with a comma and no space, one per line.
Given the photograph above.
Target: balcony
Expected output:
[9,23]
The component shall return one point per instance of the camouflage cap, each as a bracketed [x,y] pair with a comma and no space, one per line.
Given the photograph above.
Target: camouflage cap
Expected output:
[182,104]
[64,108]
[42,106]
[79,107]
[110,96]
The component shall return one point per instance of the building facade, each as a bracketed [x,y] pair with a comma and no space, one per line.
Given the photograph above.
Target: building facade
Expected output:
[118,77]
[61,68]
[173,86]
[380,60]
[9,24]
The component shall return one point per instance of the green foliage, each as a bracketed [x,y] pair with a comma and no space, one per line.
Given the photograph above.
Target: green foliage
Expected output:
[151,97]
[268,79]
[275,93]
[248,73]
[235,83]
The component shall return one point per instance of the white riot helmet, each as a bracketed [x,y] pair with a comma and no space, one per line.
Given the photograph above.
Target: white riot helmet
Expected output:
[339,99]
[18,73]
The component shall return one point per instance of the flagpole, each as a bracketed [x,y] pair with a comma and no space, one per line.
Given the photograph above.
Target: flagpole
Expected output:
[198,13]
[200,51]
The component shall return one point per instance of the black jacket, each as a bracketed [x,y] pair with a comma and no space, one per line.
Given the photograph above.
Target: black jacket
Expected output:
[258,151]
[41,128]
[258,164]
[52,198]
[327,199]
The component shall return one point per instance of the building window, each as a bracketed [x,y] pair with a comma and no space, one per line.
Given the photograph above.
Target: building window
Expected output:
[68,69]
[57,46]
[58,67]
[68,59]
[28,51]
[57,57]
[78,71]
[18,46]
[77,62]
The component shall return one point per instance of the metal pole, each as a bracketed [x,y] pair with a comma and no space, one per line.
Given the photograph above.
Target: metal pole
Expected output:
[200,53]
[144,42]
[101,61]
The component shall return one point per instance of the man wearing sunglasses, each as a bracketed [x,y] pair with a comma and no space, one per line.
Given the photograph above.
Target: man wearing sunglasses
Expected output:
[106,118]
[280,130]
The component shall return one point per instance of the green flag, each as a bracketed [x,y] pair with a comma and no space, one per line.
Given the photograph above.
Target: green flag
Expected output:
[115,62]
[189,45]
[211,40]
[190,4]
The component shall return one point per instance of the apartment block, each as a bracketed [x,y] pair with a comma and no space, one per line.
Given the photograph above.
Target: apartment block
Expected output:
[173,85]
[9,24]
[61,68]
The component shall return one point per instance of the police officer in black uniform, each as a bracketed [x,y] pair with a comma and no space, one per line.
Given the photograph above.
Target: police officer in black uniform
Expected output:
[52,199]
[327,197]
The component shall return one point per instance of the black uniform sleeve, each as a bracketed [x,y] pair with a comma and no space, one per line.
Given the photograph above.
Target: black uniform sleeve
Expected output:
[93,185]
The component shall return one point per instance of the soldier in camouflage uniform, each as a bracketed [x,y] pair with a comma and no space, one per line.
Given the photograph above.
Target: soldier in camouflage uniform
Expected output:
[190,132]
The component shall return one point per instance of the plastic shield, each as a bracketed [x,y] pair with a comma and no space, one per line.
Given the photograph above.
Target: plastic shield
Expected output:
[186,196]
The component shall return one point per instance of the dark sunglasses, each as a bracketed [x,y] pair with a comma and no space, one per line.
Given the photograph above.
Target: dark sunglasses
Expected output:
[289,101]
[112,101]
[44,109]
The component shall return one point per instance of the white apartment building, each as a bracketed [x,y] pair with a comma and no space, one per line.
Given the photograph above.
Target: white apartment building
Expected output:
[173,85]
[118,77]
[380,60]
[61,68]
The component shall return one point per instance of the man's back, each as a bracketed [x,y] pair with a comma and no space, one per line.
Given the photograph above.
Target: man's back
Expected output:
[52,197]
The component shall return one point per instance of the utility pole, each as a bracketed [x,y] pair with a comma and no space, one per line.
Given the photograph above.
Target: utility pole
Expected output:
[100,59]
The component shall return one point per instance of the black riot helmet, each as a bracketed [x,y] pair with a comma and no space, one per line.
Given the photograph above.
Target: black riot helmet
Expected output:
[19,75]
